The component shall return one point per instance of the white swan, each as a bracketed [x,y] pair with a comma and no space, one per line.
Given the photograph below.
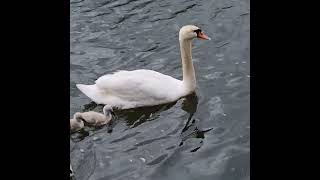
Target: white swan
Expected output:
[76,123]
[130,89]
[95,118]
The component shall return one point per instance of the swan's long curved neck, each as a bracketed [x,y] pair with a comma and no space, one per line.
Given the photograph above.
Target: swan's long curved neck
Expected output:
[189,78]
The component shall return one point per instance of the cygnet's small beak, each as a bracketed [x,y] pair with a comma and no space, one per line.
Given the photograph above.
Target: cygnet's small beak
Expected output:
[112,113]
[201,35]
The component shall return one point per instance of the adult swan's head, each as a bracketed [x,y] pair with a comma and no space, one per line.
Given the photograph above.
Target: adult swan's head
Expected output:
[186,34]
[190,32]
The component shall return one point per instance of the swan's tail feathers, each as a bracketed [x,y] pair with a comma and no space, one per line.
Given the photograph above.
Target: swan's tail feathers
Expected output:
[92,92]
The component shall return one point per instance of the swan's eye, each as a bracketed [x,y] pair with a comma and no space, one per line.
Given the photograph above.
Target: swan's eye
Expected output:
[197,31]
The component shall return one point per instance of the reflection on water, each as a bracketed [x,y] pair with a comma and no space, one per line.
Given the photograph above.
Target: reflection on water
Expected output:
[205,135]
[135,117]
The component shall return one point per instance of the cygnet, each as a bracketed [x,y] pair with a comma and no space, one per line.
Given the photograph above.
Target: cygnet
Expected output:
[76,123]
[97,119]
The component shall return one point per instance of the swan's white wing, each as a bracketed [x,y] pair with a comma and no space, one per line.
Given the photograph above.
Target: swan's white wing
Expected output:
[140,85]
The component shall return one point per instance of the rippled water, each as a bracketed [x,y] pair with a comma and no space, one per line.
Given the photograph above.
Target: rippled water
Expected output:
[203,136]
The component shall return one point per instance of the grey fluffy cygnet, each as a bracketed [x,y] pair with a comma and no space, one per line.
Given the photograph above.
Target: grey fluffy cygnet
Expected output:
[76,123]
[97,119]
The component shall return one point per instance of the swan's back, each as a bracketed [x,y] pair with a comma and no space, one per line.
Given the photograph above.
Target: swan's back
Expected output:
[128,89]
[92,117]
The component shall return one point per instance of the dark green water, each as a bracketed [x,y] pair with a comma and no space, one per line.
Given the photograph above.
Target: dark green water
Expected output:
[203,136]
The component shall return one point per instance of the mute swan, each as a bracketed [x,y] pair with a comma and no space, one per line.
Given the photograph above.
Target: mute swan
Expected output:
[98,119]
[131,89]
[76,123]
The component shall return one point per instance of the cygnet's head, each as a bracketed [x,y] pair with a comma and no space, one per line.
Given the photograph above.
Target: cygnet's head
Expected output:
[108,110]
[78,117]
[190,32]
[76,125]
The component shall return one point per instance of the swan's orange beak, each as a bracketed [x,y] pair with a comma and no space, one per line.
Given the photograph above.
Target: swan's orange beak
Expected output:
[201,35]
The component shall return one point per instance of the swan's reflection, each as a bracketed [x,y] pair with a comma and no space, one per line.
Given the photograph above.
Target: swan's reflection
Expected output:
[133,117]
[191,130]
[190,104]
[137,116]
